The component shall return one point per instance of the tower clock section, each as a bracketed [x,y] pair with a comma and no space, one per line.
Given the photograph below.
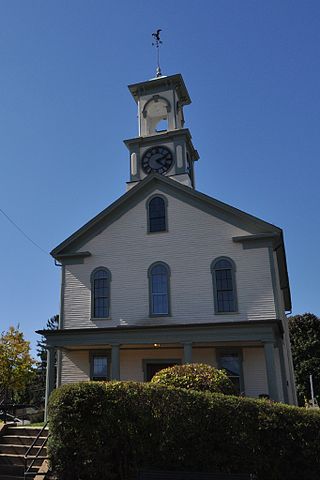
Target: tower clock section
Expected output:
[163,146]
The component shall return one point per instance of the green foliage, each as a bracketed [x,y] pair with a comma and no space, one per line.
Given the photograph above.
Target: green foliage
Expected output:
[195,376]
[52,324]
[15,364]
[305,345]
[104,431]
[35,392]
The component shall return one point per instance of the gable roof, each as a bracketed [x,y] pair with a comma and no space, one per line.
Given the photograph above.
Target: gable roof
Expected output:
[253,225]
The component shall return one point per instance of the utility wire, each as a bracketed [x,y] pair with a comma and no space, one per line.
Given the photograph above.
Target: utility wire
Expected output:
[23,233]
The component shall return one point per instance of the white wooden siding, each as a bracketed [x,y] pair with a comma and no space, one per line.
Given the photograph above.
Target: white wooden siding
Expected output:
[195,238]
[254,372]
[75,366]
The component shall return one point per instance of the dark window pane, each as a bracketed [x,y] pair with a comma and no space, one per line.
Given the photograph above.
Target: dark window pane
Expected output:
[99,367]
[157,215]
[231,363]
[157,224]
[159,283]
[159,290]
[222,264]
[224,288]
[101,283]
[160,304]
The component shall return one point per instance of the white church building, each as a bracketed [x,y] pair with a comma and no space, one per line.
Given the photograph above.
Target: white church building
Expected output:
[167,275]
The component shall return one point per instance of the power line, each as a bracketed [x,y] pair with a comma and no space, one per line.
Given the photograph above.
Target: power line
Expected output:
[23,233]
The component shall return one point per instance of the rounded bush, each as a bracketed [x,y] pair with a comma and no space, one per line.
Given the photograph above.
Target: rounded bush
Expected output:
[195,376]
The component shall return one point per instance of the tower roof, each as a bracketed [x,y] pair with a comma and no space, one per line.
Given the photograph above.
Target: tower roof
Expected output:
[156,85]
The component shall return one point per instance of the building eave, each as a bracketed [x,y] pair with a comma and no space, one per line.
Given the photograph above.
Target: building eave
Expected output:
[155,84]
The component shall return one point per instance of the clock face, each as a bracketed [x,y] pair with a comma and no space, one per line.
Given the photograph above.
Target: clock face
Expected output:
[157,159]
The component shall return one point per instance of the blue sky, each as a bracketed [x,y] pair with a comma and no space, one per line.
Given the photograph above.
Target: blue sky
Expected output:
[252,70]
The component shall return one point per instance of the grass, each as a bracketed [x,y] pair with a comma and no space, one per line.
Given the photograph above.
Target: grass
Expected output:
[37,424]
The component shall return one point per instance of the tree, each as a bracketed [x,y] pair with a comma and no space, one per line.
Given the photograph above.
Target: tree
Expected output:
[305,345]
[36,390]
[16,364]
[52,324]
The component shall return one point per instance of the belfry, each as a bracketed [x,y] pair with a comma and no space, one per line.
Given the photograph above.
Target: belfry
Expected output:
[164,145]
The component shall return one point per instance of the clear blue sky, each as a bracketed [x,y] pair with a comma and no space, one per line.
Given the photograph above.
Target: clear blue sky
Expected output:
[252,70]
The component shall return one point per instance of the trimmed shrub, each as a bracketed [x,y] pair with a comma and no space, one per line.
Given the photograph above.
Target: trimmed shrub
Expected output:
[104,431]
[195,376]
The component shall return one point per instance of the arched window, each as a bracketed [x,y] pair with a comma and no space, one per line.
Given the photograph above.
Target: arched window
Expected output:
[159,274]
[100,292]
[157,214]
[224,286]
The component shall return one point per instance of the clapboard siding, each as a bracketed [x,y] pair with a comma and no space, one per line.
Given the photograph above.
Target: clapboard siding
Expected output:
[254,372]
[193,241]
[75,366]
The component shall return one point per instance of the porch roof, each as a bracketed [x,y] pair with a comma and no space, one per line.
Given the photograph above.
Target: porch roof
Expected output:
[261,331]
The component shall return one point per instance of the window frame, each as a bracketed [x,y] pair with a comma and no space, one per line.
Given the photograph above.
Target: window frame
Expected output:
[100,353]
[165,211]
[221,351]
[153,265]
[214,283]
[107,271]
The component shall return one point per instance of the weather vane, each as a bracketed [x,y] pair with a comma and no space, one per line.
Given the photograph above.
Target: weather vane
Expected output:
[156,43]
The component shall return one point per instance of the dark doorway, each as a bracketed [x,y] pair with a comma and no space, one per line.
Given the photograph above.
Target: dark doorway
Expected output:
[151,368]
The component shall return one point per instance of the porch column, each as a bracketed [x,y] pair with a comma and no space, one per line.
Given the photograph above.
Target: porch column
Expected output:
[49,378]
[271,371]
[283,373]
[187,352]
[59,361]
[115,362]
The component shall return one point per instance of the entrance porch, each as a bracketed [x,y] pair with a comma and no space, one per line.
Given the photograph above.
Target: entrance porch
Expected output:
[251,353]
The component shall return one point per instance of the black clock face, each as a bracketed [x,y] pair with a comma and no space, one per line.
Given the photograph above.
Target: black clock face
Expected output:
[157,159]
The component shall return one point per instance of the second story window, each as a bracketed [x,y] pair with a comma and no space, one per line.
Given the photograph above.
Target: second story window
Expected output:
[159,289]
[157,215]
[223,277]
[100,292]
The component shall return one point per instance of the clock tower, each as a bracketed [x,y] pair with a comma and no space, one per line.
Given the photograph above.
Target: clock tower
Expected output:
[163,146]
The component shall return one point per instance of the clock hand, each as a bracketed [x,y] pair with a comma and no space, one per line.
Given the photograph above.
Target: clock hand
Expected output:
[155,161]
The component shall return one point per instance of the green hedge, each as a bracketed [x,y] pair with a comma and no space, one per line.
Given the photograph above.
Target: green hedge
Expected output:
[111,430]
[195,376]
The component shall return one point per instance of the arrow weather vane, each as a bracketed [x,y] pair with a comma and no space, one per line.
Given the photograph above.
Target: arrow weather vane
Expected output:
[156,43]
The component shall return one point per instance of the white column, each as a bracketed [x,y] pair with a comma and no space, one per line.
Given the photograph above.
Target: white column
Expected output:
[49,378]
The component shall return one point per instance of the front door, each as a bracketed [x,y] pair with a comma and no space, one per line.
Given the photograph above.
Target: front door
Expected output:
[153,368]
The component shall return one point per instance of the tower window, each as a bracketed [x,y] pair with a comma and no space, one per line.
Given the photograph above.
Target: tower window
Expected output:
[157,215]
[223,277]
[100,292]
[159,289]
